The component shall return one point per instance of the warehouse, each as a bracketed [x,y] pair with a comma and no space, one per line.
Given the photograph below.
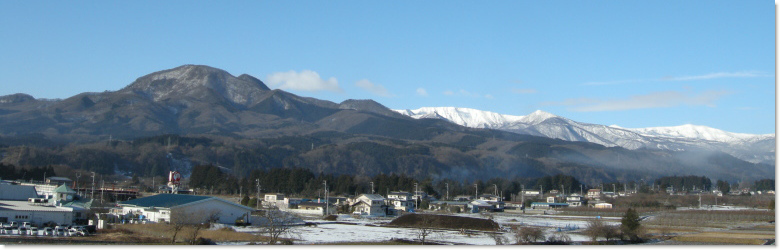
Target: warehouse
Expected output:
[183,208]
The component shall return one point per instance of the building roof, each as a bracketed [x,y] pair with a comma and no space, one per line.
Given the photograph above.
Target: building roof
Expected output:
[399,193]
[456,203]
[26,206]
[311,204]
[17,192]
[550,203]
[374,197]
[165,200]
[55,178]
[64,189]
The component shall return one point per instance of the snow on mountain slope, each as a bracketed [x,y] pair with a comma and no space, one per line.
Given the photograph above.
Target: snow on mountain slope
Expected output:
[753,148]
[699,132]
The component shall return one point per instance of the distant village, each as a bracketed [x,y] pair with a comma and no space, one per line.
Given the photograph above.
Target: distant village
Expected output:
[56,207]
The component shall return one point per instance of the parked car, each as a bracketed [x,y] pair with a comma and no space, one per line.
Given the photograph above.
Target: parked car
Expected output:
[26,225]
[14,224]
[34,231]
[22,231]
[59,231]
[47,231]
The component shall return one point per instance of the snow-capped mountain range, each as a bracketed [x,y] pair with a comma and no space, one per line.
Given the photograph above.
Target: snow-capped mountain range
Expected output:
[749,147]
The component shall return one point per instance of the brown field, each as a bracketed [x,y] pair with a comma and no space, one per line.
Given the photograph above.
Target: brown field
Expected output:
[752,238]
[162,231]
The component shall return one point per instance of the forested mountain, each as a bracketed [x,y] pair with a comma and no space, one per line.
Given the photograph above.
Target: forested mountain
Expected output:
[194,115]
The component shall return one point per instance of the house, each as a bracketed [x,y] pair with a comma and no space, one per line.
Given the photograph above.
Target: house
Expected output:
[489,197]
[532,193]
[548,205]
[59,181]
[554,199]
[594,193]
[274,200]
[575,200]
[188,209]
[370,205]
[399,195]
[309,205]
[449,206]
[476,206]
[603,205]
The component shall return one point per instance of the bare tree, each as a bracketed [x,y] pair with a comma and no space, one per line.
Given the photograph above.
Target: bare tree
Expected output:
[201,223]
[196,220]
[559,238]
[276,223]
[595,229]
[424,226]
[528,234]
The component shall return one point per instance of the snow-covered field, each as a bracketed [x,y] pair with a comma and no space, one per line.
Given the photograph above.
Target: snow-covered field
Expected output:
[370,229]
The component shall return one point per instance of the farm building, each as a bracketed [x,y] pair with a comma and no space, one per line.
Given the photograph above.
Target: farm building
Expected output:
[190,208]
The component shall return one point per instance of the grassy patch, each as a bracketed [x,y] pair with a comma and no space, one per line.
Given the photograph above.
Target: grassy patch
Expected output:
[445,221]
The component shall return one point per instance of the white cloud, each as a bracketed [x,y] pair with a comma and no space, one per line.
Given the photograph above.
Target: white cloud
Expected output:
[524,91]
[489,96]
[739,74]
[306,80]
[715,75]
[422,92]
[449,92]
[376,89]
[664,99]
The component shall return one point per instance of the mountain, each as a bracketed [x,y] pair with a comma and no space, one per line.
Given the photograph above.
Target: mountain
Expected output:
[752,148]
[193,114]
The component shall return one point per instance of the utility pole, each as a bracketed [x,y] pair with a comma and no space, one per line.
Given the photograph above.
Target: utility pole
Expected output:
[154,186]
[257,204]
[102,190]
[78,175]
[495,192]
[416,197]
[372,187]
[447,185]
[522,195]
[699,200]
[476,191]
[92,194]
[581,190]
[563,193]
[614,191]
[325,183]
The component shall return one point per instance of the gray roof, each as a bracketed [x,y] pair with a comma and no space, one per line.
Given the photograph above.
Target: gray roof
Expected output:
[55,178]
[173,200]
[17,192]
[374,196]
[165,200]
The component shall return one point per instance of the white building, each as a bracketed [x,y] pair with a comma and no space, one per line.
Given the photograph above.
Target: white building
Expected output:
[21,204]
[191,208]
[370,204]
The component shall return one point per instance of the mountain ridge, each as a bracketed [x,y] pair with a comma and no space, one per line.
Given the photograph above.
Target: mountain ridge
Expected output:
[677,138]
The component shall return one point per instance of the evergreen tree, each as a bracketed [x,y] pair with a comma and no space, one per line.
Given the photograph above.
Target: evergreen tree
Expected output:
[630,224]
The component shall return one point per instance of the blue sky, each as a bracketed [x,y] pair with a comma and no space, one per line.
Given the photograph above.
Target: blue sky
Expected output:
[629,63]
